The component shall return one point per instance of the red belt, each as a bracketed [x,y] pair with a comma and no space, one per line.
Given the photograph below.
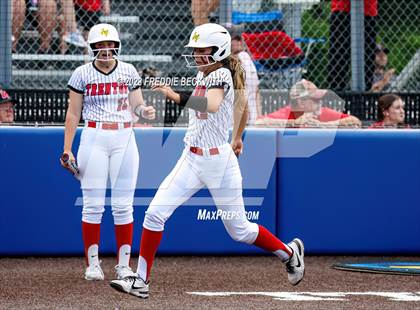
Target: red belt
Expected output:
[199,151]
[108,126]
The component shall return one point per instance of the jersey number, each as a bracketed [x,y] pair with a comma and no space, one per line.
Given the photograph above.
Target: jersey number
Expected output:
[122,104]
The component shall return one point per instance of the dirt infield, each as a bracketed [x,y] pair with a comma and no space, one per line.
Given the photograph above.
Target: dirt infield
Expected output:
[57,283]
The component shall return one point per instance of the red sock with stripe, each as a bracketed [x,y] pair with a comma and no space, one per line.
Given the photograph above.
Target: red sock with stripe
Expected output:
[91,234]
[267,241]
[124,238]
[149,244]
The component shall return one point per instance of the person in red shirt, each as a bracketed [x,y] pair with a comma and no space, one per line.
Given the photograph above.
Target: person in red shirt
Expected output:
[7,105]
[340,43]
[391,113]
[305,110]
[88,13]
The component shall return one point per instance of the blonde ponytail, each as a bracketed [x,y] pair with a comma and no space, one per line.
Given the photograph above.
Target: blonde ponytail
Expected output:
[238,76]
[238,73]
[241,102]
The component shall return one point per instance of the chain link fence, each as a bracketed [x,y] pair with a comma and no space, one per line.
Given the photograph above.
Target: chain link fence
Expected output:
[287,39]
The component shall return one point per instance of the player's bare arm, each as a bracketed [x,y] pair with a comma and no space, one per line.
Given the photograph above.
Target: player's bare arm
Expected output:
[214,99]
[210,103]
[74,111]
[135,99]
[167,91]
[240,118]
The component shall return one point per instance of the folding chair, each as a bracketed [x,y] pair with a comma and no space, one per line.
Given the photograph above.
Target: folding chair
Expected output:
[279,59]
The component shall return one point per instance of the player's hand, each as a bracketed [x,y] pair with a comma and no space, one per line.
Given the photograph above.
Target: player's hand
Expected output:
[68,162]
[237,146]
[165,90]
[148,112]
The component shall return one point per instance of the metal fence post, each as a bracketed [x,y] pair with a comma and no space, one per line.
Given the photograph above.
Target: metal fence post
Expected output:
[292,12]
[5,43]
[225,14]
[357,45]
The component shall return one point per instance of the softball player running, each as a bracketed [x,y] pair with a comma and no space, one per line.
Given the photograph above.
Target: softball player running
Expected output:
[107,144]
[208,159]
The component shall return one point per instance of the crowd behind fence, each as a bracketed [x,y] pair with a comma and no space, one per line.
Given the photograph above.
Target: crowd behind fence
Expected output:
[48,107]
[288,39]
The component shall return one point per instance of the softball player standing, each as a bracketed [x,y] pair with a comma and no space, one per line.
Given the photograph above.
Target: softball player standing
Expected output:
[107,144]
[208,159]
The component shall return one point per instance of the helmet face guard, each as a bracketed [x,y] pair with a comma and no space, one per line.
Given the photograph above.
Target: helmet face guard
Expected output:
[191,60]
[95,52]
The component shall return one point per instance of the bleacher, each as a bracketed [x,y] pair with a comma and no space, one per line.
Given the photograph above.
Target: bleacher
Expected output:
[151,35]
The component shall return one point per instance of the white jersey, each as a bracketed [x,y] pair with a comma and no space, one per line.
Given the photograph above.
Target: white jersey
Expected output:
[105,96]
[251,85]
[208,130]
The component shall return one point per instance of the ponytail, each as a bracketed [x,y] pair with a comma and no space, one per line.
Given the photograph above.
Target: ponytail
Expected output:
[238,76]
[241,103]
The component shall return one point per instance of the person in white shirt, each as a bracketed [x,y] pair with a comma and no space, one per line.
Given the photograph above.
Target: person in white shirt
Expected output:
[251,77]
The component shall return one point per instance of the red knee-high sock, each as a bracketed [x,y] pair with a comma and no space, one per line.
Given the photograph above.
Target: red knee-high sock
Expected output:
[124,237]
[149,244]
[267,241]
[91,234]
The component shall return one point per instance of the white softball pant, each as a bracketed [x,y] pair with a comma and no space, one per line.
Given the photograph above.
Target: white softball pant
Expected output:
[104,153]
[221,174]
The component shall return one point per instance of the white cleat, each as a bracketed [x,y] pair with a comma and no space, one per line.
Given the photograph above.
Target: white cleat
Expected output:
[124,272]
[94,273]
[132,285]
[295,266]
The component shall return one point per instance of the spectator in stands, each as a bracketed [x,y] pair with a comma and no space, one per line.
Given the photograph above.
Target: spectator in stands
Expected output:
[18,18]
[200,10]
[71,35]
[305,110]
[383,76]
[391,113]
[340,43]
[46,14]
[6,108]
[88,13]
[251,77]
